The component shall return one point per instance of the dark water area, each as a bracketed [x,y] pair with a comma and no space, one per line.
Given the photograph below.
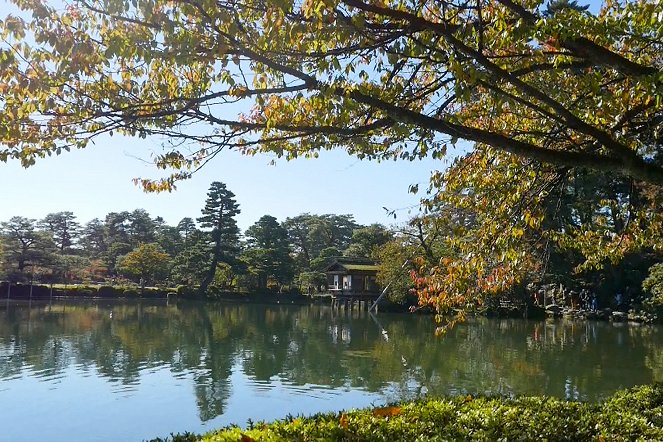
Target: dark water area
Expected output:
[111,370]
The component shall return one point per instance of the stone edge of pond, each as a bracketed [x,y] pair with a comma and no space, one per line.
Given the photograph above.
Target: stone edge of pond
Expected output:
[632,414]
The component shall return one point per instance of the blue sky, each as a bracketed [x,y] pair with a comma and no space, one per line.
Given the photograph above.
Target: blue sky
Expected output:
[97,180]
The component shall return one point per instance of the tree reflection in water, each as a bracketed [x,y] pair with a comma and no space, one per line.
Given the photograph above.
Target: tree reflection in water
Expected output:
[395,355]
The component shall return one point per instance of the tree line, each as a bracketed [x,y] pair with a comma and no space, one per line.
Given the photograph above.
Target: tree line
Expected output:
[209,253]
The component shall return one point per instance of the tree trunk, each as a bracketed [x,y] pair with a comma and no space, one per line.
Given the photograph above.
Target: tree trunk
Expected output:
[202,291]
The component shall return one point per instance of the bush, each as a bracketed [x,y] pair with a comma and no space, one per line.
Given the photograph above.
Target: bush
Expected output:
[185,291]
[130,293]
[634,414]
[653,285]
[81,290]
[107,291]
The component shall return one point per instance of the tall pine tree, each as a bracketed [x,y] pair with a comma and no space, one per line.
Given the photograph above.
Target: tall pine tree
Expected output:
[218,216]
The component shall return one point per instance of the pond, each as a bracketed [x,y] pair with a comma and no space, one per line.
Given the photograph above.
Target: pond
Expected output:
[110,371]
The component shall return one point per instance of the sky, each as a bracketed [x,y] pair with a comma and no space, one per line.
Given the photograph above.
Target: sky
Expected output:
[94,181]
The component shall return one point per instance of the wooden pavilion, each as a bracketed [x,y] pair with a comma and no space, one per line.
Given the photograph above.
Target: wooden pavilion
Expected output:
[353,278]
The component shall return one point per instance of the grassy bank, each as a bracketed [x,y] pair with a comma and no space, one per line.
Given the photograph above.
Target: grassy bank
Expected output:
[635,414]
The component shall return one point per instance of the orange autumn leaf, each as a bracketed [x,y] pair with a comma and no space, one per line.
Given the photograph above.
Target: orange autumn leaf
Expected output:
[387,411]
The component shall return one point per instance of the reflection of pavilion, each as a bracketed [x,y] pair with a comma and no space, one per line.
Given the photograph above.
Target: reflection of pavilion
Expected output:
[345,333]
[352,279]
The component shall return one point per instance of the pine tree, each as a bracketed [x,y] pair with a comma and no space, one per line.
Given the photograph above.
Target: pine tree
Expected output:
[218,216]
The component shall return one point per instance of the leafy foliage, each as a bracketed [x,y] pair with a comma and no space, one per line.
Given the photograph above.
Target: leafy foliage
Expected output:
[268,252]
[63,227]
[367,240]
[25,247]
[631,415]
[506,221]
[394,80]
[653,284]
[148,262]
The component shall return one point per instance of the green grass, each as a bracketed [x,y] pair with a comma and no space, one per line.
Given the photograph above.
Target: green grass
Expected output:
[635,414]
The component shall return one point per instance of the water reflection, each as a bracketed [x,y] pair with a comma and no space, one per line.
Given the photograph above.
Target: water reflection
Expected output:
[316,352]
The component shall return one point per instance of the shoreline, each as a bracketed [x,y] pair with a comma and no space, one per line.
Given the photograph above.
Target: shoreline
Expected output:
[25,292]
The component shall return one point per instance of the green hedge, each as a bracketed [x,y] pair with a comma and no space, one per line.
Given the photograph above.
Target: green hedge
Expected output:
[19,291]
[635,414]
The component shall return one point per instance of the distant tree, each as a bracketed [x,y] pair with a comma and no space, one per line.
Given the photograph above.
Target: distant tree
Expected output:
[331,231]
[148,262]
[310,234]
[113,253]
[324,258]
[310,280]
[141,227]
[556,6]
[64,229]
[116,226]
[67,267]
[24,245]
[417,244]
[96,270]
[218,216]
[94,238]
[186,227]
[224,277]
[2,260]
[365,240]
[268,252]
[191,265]
[170,239]
[395,267]
[298,228]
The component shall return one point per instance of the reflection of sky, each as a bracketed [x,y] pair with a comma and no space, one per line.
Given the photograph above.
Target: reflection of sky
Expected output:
[76,405]
[278,398]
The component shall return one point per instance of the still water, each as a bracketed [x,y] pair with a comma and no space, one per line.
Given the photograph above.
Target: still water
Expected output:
[118,371]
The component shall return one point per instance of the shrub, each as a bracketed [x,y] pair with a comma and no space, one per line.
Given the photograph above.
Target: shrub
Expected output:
[107,291]
[635,414]
[130,293]
[185,291]
[653,284]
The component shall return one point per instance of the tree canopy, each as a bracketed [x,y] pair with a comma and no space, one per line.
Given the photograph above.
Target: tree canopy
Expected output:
[381,79]
[549,95]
